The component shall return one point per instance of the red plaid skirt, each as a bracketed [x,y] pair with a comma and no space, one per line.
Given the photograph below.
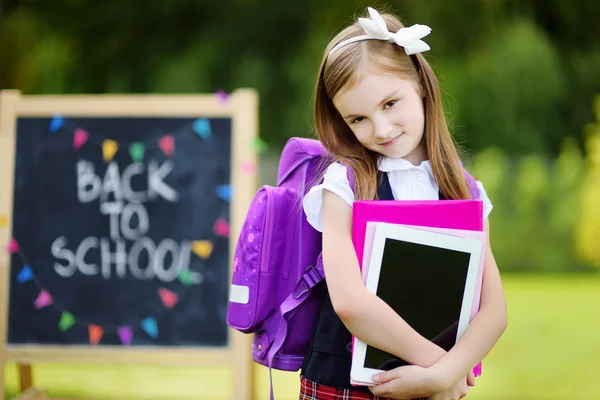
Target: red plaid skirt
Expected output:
[314,391]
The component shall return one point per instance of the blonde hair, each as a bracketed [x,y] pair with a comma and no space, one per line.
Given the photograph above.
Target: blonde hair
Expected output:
[341,69]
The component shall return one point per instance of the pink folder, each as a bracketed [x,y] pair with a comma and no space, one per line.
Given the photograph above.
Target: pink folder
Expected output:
[451,214]
[454,214]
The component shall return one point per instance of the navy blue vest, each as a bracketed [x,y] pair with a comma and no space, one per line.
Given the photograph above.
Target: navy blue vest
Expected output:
[329,356]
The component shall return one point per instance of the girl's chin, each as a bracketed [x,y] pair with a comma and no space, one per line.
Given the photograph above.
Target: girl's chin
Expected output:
[394,153]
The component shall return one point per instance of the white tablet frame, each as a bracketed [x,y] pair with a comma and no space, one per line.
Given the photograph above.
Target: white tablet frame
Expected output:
[383,231]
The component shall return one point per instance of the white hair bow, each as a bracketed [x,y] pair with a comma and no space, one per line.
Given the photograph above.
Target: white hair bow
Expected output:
[409,38]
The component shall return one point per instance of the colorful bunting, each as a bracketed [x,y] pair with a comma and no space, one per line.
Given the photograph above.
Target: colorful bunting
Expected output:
[167,145]
[185,276]
[248,167]
[224,192]
[13,247]
[26,274]
[221,228]
[149,325]
[44,299]
[126,334]
[109,148]
[202,248]
[96,332]
[168,298]
[259,145]
[67,320]
[136,150]
[56,123]
[222,96]
[202,128]
[3,221]
[79,138]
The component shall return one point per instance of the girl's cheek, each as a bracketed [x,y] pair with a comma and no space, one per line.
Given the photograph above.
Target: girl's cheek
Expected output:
[362,136]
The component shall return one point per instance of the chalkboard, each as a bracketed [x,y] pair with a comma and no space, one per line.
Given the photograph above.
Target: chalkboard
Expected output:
[106,246]
[123,215]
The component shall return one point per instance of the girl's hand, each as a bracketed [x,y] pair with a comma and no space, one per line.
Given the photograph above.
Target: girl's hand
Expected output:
[470,379]
[456,391]
[408,382]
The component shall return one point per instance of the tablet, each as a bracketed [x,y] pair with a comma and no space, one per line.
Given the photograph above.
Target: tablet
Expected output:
[429,279]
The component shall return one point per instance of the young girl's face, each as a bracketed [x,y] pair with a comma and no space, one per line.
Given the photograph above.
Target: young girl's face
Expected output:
[385,113]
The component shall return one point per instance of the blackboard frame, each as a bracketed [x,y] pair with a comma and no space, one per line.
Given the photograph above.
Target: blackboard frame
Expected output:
[242,107]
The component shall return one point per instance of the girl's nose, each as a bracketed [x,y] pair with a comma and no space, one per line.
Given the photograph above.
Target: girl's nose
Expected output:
[383,127]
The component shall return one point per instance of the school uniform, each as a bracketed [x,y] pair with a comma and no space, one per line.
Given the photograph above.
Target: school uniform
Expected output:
[325,374]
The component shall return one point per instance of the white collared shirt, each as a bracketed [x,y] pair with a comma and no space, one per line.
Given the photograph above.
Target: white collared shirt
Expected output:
[408,182]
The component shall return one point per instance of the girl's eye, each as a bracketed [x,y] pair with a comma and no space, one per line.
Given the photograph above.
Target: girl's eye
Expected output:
[357,120]
[389,103]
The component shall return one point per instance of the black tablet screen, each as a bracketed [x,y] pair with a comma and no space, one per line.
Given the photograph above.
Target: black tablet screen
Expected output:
[425,285]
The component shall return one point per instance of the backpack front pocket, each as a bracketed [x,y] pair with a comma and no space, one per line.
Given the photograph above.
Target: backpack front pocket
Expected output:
[260,267]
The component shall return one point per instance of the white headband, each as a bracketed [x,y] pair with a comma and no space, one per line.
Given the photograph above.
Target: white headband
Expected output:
[409,38]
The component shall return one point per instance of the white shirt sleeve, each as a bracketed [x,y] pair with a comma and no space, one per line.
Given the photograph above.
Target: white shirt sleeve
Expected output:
[335,180]
[487,204]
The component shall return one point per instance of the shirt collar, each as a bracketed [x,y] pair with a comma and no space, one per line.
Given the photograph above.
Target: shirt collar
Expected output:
[387,164]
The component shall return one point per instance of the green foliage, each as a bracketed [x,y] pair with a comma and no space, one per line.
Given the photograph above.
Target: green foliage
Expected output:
[588,232]
[518,76]
[509,91]
[536,211]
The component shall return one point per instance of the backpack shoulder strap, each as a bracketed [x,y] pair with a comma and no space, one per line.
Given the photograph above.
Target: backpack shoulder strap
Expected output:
[472,184]
[349,174]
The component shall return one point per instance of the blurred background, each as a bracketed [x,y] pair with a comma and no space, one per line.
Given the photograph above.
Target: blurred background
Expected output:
[521,81]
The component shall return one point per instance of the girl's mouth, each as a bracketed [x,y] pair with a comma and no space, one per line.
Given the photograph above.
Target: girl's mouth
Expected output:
[391,142]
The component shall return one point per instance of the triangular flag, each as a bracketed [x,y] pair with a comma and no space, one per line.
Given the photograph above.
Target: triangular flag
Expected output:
[26,274]
[136,150]
[3,221]
[221,228]
[222,96]
[259,145]
[96,332]
[202,248]
[202,128]
[13,246]
[168,298]
[185,276]
[248,167]
[149,325]
[44,299]
[56,123]
[79,139]
[67,320]
[224,192]
[167,144]
[109,148]
[126,334]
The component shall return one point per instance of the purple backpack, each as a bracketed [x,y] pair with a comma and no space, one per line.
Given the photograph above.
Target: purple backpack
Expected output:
[278,261]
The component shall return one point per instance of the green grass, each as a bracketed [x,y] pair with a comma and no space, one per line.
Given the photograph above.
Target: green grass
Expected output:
[550,351]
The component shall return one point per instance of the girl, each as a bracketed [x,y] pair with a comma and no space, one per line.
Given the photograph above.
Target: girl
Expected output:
[378,111]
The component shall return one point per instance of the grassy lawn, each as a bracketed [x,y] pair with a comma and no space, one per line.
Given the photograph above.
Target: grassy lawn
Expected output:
[550,351]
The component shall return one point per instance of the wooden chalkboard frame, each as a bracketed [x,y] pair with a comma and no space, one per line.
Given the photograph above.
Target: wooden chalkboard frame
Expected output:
[242,107]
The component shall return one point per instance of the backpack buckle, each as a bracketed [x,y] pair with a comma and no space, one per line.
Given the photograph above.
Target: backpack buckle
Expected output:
[307,281]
